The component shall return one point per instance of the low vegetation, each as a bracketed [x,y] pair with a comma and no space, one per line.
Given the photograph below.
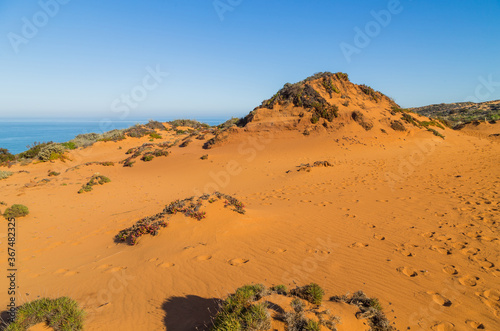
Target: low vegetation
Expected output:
[16,210]
[146,152]
[94,180]
[61,314]
[302,94]
[359,118]
[308,166]
[369,308]
[455,114]
[189,207]
[251,308]
[5,174]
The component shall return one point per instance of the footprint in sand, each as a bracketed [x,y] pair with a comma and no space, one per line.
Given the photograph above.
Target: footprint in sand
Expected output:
[450,269]
[475,325]
[203,257]
[407,271]
[470,251]
[442,250]
[277,250]
[357,245]
[492,294]
[443,326]
[317,251]
[486,264]
[61,271]
[405,252]
[165,265]
[440,300]
[237,262]
[468,280]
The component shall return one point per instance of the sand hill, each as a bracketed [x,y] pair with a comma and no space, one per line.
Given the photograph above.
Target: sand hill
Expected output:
[318,184]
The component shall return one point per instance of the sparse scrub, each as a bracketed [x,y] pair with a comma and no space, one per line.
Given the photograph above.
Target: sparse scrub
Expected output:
[16,210]
[148,157]
[5,156]
[204,157]
[397,126]
[62,314]
[370,92]
[358,117]
[51,152]
[280,289]
[370,308]
[312,293]
[155,135]
[94,180]
[190,207]
[5,174]
[53,173]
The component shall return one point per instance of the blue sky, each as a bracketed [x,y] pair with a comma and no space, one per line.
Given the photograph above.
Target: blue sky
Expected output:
[92,58]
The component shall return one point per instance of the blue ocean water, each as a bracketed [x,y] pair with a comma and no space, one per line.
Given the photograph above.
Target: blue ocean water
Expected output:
[16,135]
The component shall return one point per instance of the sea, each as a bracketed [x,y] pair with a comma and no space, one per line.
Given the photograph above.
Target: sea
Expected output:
[17,135]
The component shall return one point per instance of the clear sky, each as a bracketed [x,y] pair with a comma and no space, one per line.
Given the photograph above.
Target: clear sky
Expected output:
[204,58]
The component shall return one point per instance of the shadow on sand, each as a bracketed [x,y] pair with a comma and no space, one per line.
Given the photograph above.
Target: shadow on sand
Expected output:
[189,313]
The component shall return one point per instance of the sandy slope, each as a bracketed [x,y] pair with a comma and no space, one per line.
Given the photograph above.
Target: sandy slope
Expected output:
[410,219]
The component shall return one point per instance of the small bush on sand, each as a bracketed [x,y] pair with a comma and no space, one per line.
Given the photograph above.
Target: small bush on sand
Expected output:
[155,135]
[155,125]
[369,308]
[204,157]
[69,145]
[94,180]
[190,207]
[16,210]
[147,157]
[62,314]
[239,312]
[5,156]
[53,173]
[5,174]
[280,289]
[33,150]
[397,126]
[312,293]
[51,152]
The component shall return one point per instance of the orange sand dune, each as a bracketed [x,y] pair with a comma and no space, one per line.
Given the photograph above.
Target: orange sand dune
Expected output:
[409,218]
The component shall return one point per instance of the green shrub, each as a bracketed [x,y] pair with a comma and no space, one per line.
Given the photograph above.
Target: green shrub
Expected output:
[155,135]
[5,156]
[312,293]
[33,150]
[94,180]
[53,173]
[204,157]
[297,305]
[62,314]
[69,145]
[5,174]
[148,157]
[312,326]
[280,289]
[51,152]
[16,210]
